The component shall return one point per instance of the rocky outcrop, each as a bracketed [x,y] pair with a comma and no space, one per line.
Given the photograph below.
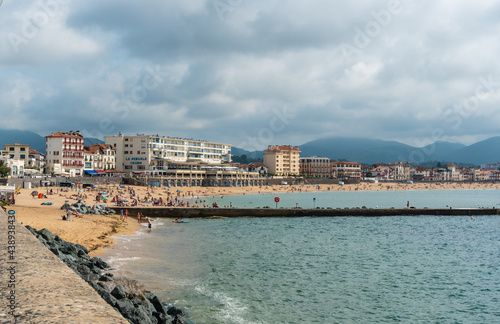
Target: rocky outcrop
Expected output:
[81,208]
[128,297]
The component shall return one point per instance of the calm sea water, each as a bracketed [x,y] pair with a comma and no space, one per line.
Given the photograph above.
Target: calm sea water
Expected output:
[321,270]
[371,199]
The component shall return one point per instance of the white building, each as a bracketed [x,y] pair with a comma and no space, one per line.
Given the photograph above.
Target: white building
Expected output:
[155,152]
[31,158]
[16,166]
[64,153]
[99,158]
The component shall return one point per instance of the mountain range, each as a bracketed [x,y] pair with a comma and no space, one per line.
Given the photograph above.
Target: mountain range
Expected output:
[371,151]
[363,150]
[35,141]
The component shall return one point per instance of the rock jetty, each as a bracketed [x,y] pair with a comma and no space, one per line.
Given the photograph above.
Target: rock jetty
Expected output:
[81,208]
[128,297]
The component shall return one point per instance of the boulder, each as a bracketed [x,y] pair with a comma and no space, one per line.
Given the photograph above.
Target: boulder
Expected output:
[98,262]
[46,234]
[119,292]
[174,311]
[155,301]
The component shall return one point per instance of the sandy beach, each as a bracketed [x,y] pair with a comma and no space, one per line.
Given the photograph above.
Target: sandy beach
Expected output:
[94,231]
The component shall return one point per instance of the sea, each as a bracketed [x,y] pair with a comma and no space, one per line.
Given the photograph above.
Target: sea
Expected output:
[398,269]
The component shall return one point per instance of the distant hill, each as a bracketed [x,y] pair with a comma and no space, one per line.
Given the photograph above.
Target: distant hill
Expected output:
[92,141]
[363,150]
[370,151]
[36,141]
[250,154]
[487,151]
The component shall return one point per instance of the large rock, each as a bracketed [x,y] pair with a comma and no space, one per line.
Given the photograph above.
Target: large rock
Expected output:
[98,262]
[119,292]
[46,234]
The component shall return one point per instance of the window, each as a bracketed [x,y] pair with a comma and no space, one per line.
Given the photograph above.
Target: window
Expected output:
[23,149]
[11,149]
[126,145]
[126,152]
[23,156]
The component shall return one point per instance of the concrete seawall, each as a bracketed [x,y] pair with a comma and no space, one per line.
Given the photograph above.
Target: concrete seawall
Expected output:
[175,212]
[37,287]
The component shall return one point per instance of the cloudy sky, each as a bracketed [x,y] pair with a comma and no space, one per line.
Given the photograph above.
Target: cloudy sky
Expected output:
[253,73]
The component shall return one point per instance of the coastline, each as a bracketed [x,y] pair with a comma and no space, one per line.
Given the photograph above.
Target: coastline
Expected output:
[98,233]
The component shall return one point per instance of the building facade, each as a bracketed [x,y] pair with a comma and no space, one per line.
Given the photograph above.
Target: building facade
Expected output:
[282,160]
[64,153]
[17,151]
[315,166]
[343,170]
[99,157]
[36,160]
[155,152]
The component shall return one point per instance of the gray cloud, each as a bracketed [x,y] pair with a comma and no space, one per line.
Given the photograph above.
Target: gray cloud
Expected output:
[223,77]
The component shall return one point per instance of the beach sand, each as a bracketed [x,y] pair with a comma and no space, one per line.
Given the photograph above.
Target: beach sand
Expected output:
[94,231]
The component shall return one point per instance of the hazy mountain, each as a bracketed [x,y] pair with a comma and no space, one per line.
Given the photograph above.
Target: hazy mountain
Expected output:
[36,141]
[370,151]
[487,151]
[250,154]
[362,150]
[92,141]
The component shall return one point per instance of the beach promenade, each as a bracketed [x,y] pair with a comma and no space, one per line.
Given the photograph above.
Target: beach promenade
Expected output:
[37,287]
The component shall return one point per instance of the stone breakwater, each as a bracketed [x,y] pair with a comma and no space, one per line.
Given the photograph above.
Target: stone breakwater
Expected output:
[191,212]
[126,296]
[37,287]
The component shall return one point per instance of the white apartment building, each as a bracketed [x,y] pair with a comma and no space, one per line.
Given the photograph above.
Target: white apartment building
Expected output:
[31,158]
[17,151]
[99,157]
[64,153]
[35,160]
[154,152]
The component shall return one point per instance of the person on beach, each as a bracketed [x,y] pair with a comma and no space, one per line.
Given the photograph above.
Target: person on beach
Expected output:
[68,214]
[121,214]
[149,224]
[139,217]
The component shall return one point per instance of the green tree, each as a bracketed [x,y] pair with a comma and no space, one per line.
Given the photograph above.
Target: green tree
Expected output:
[4,171]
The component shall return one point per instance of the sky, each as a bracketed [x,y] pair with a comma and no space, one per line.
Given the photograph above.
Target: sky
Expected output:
[253,73]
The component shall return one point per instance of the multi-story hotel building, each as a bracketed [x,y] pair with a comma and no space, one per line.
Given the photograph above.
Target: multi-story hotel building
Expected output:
[155,152]
[64,153]
[343,170]
[315,166]
[282,160]
[99,157]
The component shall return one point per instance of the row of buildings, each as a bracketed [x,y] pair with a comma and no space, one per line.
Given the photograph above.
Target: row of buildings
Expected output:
[189,160]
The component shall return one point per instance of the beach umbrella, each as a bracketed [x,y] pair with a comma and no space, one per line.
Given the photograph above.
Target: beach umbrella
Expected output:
[104,198]
[179,190]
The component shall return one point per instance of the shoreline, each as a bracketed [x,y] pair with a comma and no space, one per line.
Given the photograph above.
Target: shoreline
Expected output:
[98,233]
